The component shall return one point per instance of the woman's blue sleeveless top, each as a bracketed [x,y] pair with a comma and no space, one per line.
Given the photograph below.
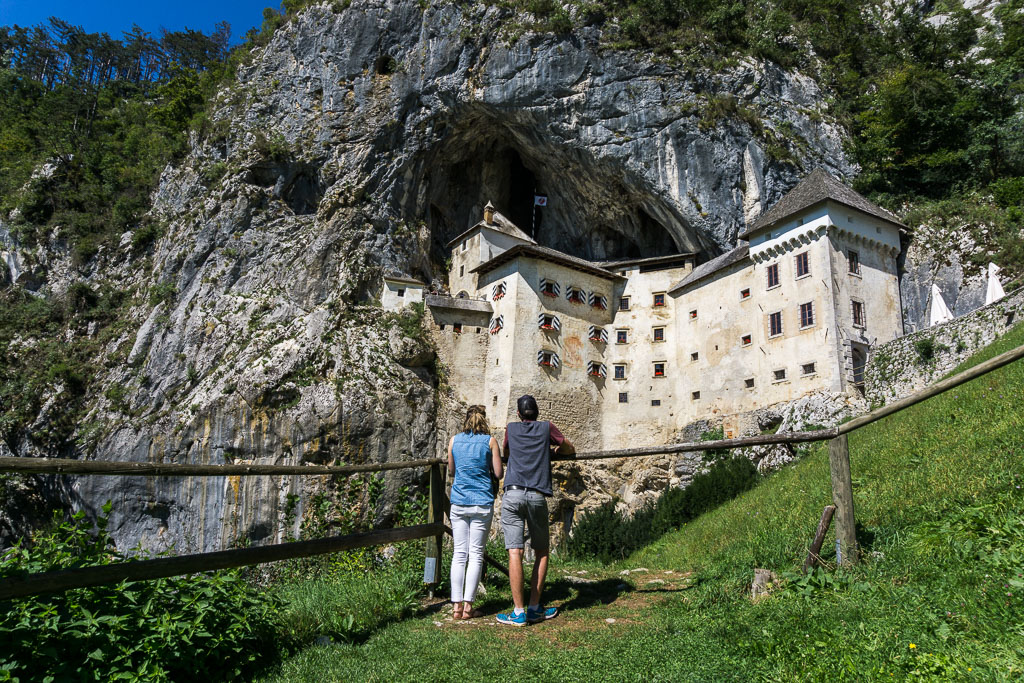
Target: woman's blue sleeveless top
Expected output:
[472,484]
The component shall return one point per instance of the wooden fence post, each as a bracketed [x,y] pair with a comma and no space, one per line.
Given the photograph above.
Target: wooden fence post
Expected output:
[842,496]
[435,515]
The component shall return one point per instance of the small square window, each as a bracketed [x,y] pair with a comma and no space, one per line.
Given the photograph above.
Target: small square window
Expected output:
[659,334]
[808,369]
[655,402]
[624,303]
[694,356]
[773,275]
[803,264]
[745,340]
[775,324]
[457,328]
[659,299]
[693,314]
[659,369]
[807,315]
[779,375]
[621,336]
[401,293]
[494,401]
[745,293]
[479,330]
[623,397]
[442,326]
[620,372]
[695,395]
[749,383]
[853,261]
[858,314]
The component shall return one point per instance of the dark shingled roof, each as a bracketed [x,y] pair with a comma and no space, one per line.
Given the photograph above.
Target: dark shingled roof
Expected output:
[817,187]
[711,267]
[500,224]
[546,254]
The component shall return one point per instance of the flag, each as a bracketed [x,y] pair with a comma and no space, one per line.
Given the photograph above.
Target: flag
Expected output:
[540,200]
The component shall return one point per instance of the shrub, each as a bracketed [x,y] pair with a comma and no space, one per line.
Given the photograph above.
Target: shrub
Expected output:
[925,348]
[607,535]
[212,626]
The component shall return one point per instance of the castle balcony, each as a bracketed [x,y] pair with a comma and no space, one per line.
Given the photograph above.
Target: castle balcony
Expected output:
[453,303]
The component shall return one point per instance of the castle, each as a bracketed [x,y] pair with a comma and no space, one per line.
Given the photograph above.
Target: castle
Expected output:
[627,353]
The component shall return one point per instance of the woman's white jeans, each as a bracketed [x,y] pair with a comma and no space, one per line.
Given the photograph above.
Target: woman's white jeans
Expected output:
[470,526]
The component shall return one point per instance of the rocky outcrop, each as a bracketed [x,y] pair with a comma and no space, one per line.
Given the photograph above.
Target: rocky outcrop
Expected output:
[360,141]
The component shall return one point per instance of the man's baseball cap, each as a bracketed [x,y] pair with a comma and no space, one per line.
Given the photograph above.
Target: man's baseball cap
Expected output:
[527,404]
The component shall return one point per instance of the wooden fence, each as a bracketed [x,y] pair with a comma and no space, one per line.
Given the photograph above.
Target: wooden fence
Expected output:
[161,567]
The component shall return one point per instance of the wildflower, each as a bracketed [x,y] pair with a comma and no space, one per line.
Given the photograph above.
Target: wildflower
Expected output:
[913,647]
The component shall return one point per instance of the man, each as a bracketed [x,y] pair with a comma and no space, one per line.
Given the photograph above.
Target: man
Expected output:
[527,449]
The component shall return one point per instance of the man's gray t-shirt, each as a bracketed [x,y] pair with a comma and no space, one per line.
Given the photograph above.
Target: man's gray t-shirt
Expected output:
[529,447]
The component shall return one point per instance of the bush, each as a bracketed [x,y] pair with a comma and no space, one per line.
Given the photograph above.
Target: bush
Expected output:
[925,348]
[212,626]
[607,535]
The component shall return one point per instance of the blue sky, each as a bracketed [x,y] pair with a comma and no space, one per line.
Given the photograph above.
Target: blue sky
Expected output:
[115,16]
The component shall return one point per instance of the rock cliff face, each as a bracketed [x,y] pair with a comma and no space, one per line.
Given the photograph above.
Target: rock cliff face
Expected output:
[363,140]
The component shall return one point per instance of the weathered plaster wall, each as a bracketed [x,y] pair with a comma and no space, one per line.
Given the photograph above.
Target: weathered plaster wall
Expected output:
[397,295]
[901,367]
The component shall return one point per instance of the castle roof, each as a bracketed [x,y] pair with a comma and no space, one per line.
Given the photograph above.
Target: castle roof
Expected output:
[649,262]
[708,269]
[501,224]
[815,188]
[545,254]
[403,279]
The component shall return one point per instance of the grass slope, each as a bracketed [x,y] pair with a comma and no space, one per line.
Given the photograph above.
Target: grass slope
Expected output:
[938,492]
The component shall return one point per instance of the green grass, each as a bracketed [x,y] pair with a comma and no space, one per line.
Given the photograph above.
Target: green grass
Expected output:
[938,496]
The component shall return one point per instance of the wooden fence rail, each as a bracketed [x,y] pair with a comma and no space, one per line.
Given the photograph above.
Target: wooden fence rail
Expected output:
[163,567]
[839,457]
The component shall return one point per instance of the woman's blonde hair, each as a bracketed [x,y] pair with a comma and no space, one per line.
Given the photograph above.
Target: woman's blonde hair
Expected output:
[476,421]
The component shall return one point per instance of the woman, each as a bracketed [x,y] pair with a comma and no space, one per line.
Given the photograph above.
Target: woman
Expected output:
[472,457]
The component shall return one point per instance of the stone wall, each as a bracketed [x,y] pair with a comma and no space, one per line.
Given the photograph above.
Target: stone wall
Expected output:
[907,364]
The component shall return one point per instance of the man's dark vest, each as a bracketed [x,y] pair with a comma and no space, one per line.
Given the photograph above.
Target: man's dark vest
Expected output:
[529,459]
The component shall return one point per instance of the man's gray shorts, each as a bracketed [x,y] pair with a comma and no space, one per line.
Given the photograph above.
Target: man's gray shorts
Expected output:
[530,507]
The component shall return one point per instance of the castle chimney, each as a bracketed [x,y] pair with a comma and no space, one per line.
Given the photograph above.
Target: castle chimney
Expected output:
[489,214]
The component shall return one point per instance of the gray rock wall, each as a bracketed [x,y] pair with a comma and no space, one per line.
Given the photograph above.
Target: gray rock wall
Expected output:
[910,363]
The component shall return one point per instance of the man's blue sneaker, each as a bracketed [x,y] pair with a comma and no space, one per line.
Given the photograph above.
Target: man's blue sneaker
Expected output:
[540,614]
[513,619]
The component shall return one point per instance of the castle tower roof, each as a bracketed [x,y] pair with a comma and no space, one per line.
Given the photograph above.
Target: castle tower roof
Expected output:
[499,223]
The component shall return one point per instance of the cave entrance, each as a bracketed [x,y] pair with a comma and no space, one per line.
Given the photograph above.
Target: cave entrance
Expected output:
[521,184]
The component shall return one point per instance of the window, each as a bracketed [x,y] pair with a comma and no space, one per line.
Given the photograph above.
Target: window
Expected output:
[462,270]
[808,369]
[807,315]
[858,314]
[547,321]
[457,328]
[749,383]
[624,303]
[549,287]
[659,334]
[853,261]
[659,369]
[621,336]
[745,293]
[464,243]
[775,324]
[655,402]
[442,326]
[620,371]
[496,324]
[745,340]
[498,291]
[401,292]
[598,334]
[694,356]
[494,401]
[779,375]
[659,299]
[773,275]
[598,301]
[547,359]
[575,295]
[596,368]
[803,264]
[623,397]
[695,395]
